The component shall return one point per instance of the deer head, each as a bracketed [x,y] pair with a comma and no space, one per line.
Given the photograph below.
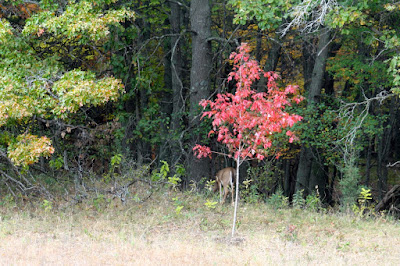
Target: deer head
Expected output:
[225,178]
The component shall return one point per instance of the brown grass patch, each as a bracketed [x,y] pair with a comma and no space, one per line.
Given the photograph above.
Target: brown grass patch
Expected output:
[154,234]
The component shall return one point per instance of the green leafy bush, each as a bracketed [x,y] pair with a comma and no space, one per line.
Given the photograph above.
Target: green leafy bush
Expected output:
[364,206]
[298,199]
[278,200]
[349,185]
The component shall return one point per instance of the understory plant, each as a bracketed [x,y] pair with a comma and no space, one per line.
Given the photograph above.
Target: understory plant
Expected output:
[247,120]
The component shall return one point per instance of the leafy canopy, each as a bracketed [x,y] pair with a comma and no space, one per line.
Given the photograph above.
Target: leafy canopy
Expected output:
[36,84]
[246,121]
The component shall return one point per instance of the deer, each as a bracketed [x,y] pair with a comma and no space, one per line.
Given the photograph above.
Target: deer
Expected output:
[225,178]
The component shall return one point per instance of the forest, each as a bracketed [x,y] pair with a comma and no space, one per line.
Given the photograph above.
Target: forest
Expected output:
[120,121]
[103,95]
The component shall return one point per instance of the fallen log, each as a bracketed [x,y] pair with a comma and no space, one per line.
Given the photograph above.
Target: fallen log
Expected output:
[390,202]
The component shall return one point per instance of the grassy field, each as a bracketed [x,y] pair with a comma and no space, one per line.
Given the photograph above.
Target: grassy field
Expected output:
[153,233]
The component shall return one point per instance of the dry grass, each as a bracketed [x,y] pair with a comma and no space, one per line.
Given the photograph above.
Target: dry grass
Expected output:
[153,234]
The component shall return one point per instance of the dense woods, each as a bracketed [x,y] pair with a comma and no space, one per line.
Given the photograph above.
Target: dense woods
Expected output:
[93,90]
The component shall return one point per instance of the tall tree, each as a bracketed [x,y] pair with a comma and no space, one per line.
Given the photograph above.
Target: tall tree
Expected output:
[309,168]
[200,20]
[176,83]
[52,74]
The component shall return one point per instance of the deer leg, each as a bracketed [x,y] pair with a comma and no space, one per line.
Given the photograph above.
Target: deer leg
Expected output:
[232,189]
[226,191]
[232,195]
[220,191]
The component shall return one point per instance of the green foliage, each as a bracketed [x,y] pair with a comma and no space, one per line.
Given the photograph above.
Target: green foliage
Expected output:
[394,70]
[364,206]
[278,200]
[211,204]
[349,185]
[313,202]
[351,67]
[78,88]
[178,210]
[263,177]
[57,162]
[174,181]
[35,82]
[116,160]
[249,192]
[83,20]
[148,127]
[161,173]
[7,200]
[47,205]
[319,129]
[178,204]
[99,201]
[298,199]
[268,14]
[209,184]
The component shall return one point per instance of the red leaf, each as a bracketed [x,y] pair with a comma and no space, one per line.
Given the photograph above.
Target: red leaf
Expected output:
[245,121]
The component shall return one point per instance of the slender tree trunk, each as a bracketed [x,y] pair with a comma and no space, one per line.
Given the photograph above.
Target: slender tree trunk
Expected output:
[176,83]
[200,19]
[368,163]
[139,144]
[287,179]
[164,150]
[236,196]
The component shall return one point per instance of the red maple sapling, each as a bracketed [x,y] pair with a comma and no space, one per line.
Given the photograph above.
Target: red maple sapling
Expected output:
[246,121]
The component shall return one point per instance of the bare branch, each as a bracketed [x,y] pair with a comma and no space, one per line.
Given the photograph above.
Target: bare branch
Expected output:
[309,15]
[393,164]
[352,122]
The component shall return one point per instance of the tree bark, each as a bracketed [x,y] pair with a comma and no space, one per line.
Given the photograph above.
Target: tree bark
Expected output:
[317,77]
[306,164]
[200,19]
[273,56]
[176,83]
[384,148]
[287,179]
[271,63]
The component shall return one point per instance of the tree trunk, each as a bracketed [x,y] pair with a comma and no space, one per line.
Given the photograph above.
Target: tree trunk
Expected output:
[368,163]
[308,49]
[238,162]
[314,91]
[287,179]
[164,150]
[271,63]
[384,148]
[317,77]
[200,19]
[304,169]
[273,56]
[176,84]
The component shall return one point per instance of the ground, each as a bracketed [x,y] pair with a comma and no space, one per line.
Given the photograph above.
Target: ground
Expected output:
[154,233]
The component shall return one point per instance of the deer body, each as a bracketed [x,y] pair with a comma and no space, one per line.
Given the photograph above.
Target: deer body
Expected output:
[225,178]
